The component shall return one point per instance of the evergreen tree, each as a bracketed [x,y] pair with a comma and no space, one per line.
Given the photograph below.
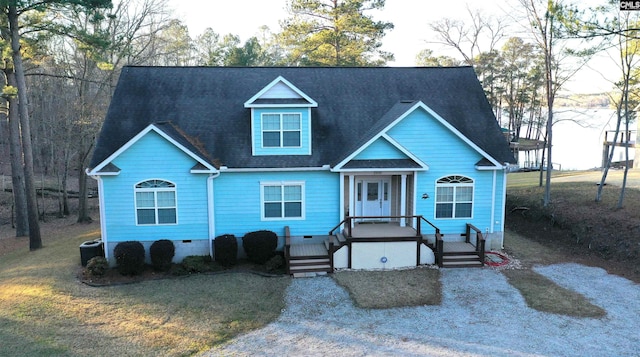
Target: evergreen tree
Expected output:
[334,33]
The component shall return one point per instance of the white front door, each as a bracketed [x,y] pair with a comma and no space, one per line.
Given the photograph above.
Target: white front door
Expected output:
[373,197]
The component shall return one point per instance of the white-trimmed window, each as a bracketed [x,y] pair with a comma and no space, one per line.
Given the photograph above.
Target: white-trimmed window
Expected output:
[454,197]
[282,200]
[281,130]
[156,202]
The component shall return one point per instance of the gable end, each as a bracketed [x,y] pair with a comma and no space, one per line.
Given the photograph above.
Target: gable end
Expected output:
[280,93]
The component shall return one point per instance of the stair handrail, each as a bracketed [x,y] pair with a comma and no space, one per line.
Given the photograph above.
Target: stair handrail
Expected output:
[287,248]
[421,218]
[345,220]
[439,253]
[439,242]
[480,240]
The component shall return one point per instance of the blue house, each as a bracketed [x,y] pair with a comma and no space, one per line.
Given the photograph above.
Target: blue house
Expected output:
[350,167]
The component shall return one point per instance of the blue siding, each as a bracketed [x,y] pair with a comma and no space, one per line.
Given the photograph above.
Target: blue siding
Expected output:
[380,149]
[446,155]
[237,202]
[499,212]
[153,157]
[305,139]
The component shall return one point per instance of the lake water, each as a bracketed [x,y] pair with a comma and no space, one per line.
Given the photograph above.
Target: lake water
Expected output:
[578,134]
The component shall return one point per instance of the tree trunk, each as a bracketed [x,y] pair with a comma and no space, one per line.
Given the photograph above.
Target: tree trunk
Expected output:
[83,202]
[65,190]
[35,239]
[17,170]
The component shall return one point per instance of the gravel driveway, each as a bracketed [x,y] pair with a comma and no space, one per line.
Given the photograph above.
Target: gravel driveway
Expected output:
[481,315]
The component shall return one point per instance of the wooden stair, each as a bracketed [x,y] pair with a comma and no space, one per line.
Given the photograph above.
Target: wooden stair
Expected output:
[338,241]
[462,261]
[309,260]
[461,255]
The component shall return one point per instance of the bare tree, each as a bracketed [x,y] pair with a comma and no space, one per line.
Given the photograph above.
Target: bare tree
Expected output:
[628,46]
[479,33]
[547,23]
[35,239]
[15,153]
[131,34]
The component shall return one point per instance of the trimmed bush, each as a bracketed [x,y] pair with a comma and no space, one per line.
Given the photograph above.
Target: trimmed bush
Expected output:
[275,263]
[97,266]
[197,264]
[162,252]
[129,257]
[260,246]
[225,248]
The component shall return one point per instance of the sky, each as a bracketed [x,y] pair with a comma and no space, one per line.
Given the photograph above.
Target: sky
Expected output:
[410,35]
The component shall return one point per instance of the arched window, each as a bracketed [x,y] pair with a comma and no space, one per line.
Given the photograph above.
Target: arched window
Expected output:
[156,202]
[454,197]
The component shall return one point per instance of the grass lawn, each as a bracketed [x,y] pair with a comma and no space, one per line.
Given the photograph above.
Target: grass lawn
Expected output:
[46,311]
[392,288]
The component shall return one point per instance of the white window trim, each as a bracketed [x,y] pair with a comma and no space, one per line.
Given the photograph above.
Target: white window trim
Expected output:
[174,189]
[455,186]
[281,131]
[282,184]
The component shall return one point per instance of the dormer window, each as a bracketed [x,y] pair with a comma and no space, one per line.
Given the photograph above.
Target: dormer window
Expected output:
[280,120]
[281,130]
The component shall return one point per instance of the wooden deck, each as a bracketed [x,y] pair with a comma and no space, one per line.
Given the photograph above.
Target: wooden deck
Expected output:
[458,247]
[381,230]
[317,258]
[308,250]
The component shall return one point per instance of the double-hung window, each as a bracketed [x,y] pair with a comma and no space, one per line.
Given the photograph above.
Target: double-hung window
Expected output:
[282,200]
[156,202]
[281,130]
[454,197]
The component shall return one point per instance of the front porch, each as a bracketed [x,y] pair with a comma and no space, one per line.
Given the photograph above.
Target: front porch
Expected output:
[383,243]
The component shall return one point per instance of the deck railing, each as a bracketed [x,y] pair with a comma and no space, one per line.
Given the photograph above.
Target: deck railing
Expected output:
[349,221]
[480,240]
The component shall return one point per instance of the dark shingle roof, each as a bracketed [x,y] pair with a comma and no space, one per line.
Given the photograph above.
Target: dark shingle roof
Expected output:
[207,105]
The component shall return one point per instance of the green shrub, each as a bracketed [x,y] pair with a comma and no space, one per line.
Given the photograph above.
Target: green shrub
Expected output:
[260,246]
[97,266]
[129,257]
[197,263]
[275,263]
[225,248]
[162,252]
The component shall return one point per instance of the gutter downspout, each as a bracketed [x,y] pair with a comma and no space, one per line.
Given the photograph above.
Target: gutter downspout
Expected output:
[211,211]
[493,202]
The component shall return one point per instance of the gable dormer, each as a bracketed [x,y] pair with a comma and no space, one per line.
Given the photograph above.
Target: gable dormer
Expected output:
[280,120]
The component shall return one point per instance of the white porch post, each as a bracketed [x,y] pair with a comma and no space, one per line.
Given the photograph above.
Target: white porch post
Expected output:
[342,213]
[352,204]
[403,199]
[415,198]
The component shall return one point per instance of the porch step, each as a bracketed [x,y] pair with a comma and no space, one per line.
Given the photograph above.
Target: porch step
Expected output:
[305,266]
[464,260]
[462,264]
